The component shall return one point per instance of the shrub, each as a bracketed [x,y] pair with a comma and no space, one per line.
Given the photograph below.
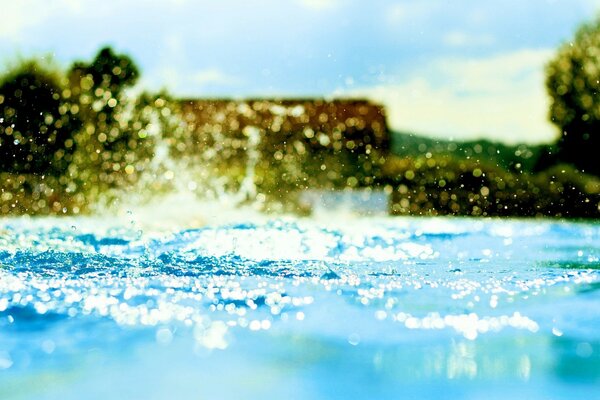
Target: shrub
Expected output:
[37,121]
[573,84]
[449,186]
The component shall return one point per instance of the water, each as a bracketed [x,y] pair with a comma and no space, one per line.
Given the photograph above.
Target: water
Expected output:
[266,307]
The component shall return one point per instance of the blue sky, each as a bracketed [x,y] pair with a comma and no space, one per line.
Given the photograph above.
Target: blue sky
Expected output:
[453,69]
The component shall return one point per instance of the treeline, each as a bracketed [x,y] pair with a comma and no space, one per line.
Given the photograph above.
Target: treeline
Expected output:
[454,185]
[429,176]
[482,178]
[75,138]
[68,138]
[515,158]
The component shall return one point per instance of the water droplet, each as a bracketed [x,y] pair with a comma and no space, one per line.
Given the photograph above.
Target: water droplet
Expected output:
[164,336]
[5,360]
[557,332]
[354,339]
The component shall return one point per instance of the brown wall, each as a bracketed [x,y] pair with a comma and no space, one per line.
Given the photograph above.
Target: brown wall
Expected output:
[359,121]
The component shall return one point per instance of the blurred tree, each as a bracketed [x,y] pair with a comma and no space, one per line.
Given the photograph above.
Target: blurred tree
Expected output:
[99,85]
[573,82]
[36,121]
[109,70]
[114,135]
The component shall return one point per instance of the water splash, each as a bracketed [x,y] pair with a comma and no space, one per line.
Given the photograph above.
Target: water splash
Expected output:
[247,191]
[416,299]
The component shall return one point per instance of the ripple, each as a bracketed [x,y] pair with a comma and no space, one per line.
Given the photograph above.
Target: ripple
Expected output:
[359,285]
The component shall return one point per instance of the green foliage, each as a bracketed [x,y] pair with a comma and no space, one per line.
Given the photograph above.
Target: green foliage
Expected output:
[284,146]
[108,71]
[115,142]
[152,121]
[39,194]
[114,156]
[67,143]
[573,82]
[447,185]
[37,121]
[517,158]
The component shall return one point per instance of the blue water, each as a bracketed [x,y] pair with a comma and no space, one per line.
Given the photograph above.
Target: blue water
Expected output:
[298,308]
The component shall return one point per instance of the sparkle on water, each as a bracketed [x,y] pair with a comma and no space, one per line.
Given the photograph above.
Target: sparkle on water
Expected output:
[299,308]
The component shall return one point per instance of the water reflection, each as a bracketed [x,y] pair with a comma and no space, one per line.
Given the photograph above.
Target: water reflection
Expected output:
[349,309]
[576,359]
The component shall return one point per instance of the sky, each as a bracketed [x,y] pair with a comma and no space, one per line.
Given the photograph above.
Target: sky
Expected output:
[461,69]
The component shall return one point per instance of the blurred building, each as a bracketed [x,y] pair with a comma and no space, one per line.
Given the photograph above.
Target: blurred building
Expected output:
[288,145]
[354,125]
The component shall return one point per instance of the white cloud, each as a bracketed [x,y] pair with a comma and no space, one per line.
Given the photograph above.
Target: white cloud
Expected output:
[410,11]
[160,78]
[21,15]
[318,4]
[497,73]
[184,82]
[458,39]
[214,76]
[501,98]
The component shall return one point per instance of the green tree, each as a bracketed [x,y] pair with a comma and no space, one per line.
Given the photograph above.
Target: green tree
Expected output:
[573,82]
[109,70]
[113,138]
[100,84]
[36,121]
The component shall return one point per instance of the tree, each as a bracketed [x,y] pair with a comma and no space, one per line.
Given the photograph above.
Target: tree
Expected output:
[110,71]
[573,82]
[99,86]
[36,121]
[112,137]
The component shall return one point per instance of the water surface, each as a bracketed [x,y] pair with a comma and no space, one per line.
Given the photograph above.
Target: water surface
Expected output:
[380,307]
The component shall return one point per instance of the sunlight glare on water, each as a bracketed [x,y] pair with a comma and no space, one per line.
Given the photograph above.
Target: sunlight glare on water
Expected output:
[298,307]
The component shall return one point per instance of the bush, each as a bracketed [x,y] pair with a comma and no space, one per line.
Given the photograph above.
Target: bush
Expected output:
[37,121]
[119,130]
[573,83]
[448,186]
[69,143]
